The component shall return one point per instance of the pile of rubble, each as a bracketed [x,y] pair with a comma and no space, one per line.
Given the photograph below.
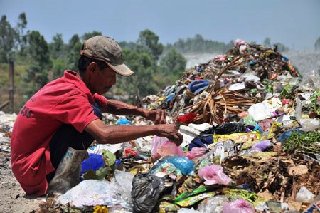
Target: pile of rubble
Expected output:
[278,108]
[250,124]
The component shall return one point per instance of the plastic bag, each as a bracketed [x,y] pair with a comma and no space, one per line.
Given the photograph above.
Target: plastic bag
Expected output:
[93,162]
[186,118]
[213,175]
[124,181]
[92,193]
[201,141]
[310,81]
[197,86]
[261,145]
[185,165]
[68,173]
[146,190]
[304,195]
[260,111]
[309,124]
[184,210]
[162,147]
[123,121]
[196,152]
[239,206]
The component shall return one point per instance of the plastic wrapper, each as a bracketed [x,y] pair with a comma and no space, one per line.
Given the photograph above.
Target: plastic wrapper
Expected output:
[185,195]
[195,199]
[239,137]
[241,194]
[166,169]
[261,145]
[165,207]
[224,149]
[226,128]
[213,204]
[183,164]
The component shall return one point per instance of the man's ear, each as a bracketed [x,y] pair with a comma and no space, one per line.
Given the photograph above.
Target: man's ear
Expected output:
[92,66]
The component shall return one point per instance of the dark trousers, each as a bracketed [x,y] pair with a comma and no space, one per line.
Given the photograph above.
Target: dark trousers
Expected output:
[67,136]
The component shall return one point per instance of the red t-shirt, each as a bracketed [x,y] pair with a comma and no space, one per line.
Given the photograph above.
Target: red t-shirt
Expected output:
[66,100]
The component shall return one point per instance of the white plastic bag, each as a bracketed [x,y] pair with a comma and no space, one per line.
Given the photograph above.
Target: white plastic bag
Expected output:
[304,195]
[260,111]
[92,193]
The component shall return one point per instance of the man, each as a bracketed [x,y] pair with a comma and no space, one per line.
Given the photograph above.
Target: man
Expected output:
[67,113]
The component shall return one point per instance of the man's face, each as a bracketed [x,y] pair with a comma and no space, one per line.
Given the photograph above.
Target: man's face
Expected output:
[102,79]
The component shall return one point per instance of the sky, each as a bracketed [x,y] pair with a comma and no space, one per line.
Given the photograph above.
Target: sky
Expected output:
[295,23]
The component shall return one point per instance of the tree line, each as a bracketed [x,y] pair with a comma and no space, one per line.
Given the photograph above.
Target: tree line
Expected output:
[155,65]
[38,61]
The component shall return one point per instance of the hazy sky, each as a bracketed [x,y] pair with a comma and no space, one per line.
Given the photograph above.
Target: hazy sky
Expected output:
[295,23]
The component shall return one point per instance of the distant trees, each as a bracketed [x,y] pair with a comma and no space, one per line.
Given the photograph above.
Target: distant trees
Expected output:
[172,67]
[73,47]
[150,64]
[173,62]
[198,44]
[279,46]
[58,55]
[8,40]
[150,40]
[37,50]
[21,26]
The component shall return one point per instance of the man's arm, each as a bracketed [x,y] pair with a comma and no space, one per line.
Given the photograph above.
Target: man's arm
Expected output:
[121,108]
[116,134]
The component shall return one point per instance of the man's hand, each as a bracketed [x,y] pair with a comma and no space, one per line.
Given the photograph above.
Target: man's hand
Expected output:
[157,116]
[170,131]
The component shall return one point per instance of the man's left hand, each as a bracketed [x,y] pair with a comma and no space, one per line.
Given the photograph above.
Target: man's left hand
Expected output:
[158,116]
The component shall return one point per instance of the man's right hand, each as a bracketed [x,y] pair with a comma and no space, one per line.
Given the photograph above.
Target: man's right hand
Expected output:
[170,131]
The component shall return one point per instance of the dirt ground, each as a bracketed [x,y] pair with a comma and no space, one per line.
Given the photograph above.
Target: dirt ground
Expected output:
[12,197]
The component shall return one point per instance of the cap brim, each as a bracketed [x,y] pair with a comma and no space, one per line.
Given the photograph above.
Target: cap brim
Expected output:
[121,69]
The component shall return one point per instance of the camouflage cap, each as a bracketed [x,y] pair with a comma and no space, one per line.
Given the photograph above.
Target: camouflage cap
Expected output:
[108,50]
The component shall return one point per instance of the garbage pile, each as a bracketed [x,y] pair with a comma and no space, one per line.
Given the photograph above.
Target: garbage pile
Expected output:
[6,125]
[229,84]
[251,143]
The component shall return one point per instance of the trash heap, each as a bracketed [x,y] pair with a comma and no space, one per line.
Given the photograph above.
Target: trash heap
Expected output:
[219,90]
[6,126]
[251,143]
